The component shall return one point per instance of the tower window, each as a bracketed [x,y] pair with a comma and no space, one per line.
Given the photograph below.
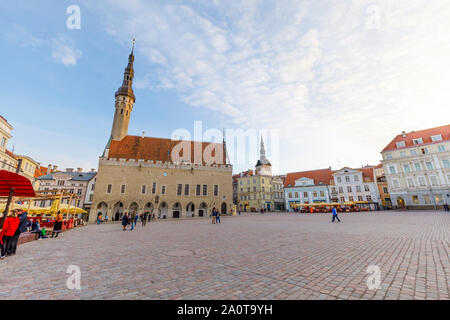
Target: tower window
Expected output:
[121,111]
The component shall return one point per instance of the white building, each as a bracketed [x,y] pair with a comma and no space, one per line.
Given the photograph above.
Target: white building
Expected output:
[356,185]
[417,168]
[70,181]
[7,160]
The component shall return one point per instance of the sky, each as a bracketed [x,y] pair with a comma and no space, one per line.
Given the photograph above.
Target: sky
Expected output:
[328,83]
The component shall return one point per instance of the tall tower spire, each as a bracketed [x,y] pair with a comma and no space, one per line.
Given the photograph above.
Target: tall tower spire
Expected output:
[125,100]
[262,152]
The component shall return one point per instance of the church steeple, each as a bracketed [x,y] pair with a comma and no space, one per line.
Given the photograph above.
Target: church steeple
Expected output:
[127,85]
[263,166]
[125,100]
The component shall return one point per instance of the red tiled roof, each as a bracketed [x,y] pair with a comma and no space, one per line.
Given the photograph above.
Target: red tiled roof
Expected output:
[379,166]
[10,153]
[424,134]
[156,149]
[368,172]
[323,175]
[4,119]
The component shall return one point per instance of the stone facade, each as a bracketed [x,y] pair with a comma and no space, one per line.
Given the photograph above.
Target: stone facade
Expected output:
[148,186]
[164,177]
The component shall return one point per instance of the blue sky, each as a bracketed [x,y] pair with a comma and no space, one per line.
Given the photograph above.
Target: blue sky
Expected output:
[336,80]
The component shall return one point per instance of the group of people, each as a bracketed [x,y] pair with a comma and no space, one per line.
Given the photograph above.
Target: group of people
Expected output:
[133,218]
[14,224]
[215,216]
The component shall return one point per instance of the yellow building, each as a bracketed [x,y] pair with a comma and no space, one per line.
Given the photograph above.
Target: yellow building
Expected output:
[259,190]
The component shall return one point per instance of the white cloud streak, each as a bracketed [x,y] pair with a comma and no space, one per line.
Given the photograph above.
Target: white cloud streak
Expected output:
[339,79]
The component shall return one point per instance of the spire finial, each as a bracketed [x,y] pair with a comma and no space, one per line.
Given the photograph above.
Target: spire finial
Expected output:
[134,42]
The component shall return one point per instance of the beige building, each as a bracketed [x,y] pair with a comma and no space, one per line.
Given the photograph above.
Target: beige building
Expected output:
[170,179]
[7,160]
[259,190]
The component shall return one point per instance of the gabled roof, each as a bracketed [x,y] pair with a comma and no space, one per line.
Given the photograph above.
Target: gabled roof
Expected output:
[424,134]
[76,176]
[323,176]
[155,149]
[367,171]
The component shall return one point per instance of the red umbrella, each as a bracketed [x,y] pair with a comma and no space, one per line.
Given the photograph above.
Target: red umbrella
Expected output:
[22,186]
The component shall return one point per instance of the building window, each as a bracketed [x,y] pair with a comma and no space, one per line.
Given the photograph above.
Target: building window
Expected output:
[356,178]
[401,144]
[418,141]
[426,199]
[388,156]
[424,150]
[385,190]
[179,189]
[441,148]
[61,182]
[216,190]
[341,190]
[263,189]
[333,190]
[198,188]
[438,198]
[154,188]
[339,180]
[79,192]
[366,188]
[342,199]
[322,194]
[186,189]
[254,189]
[429,165]
[248,189]
[434,181]
[305,194]
[422,182]
[3,141]
[418,167]
[122,189]
[349,189]
[358,188]
[392,169]
[315,194]
[163,190]
[402,154]
[205,189]
[350,199]
[290,195]
[395,183]
[143,189]
[347,179]
[413,152]
[296,195]
[369,198]
[360,198]
[410,182]
[446,164]
[437,137]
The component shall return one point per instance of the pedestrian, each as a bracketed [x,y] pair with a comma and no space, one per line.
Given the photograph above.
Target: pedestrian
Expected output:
[99,218]
[131,218]
[213,215]
[239,212]
[125,221]
[36,228]
[57,227]
[7,233]
[335,215]
[136,219]
[143,219]
[106,218]
[29,224]
[23,220]
[43,233]
[217,216]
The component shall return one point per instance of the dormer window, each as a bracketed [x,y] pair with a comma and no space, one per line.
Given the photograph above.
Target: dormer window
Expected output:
[418,141]
[437,137]
[401,144]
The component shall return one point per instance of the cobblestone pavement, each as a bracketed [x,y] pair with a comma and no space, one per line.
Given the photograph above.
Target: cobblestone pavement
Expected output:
[254,256]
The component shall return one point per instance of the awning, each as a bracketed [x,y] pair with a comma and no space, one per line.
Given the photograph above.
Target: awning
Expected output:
[22,186]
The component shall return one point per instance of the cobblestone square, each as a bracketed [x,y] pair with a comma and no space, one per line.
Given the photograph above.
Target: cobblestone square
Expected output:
[254,256]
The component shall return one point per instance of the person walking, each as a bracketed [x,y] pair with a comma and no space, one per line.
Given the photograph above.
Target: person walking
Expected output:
[106,218]
[213,215]
[335,215]
[218,217]
[124,221]
[143,219]
[23,221]
[132,216]
[136,219]
[58,225]
[7,233]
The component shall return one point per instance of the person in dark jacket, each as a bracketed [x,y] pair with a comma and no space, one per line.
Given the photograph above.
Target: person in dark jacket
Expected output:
[23,218]
[7,233]
[124,221]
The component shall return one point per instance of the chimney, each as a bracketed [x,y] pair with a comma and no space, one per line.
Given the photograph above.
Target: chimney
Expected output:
[79,170]
[92,170]
[55,168]
[49,168]
[404,134]
[143,134]
[69,170]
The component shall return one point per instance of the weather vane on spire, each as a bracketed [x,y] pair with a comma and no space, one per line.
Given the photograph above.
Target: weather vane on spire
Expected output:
[134,42]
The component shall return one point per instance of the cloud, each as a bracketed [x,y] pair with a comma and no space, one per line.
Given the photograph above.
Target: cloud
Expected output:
[338,79]
[64,52]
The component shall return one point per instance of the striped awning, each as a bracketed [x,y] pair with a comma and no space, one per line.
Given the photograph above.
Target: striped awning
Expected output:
[21,185]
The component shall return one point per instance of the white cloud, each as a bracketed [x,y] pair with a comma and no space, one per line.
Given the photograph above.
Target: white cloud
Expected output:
[338,79]
[64,52]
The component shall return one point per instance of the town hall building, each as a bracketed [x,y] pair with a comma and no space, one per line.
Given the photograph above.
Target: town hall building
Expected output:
[164,177]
